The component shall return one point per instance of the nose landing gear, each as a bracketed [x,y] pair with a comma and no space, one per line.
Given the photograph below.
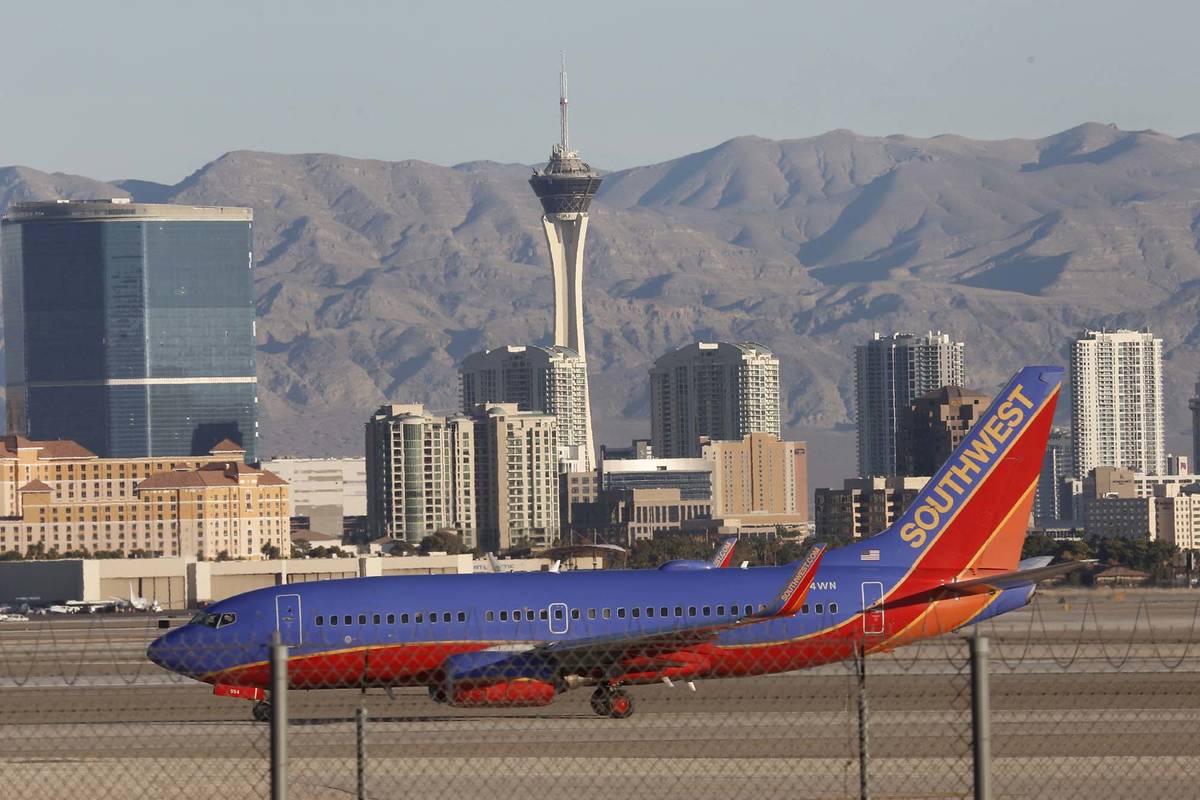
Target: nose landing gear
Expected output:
[612,701]
[262,711]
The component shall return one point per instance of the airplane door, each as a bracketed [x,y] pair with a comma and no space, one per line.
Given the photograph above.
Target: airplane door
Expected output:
[287,619]
[872,595]
[558,618]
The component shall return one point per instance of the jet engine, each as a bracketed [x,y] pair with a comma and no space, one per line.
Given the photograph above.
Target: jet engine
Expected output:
[497,678]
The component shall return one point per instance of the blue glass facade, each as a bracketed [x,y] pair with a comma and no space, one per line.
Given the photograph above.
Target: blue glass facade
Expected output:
[133,336]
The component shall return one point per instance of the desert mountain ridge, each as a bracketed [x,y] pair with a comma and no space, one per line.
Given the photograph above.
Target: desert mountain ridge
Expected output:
[374,278]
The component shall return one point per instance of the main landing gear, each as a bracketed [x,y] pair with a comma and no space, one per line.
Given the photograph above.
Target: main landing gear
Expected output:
[611,701]
[262,711]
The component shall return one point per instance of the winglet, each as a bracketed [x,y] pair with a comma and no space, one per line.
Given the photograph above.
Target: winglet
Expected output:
[792,596]
[724,554]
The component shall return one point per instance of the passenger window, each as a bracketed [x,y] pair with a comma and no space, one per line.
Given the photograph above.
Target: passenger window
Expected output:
[664,612]
[516,615]
[362,619]
[490,616]
[404,618]
[804,608]
[375,619]
[620,613]
[418,618]
[636,612]
[749,610]
[432,617]
[391,619]
[347,620]
[543,614]
[591,613]
[650,611]
[333,620]
[762,606]
[504,616]
[679,611]
[606,613]
[820,608]
[445,616]
[574,613]
[833,608]
[529,615]
[720,611]
[708,611]
[320,620]
[462,616]
[691,611]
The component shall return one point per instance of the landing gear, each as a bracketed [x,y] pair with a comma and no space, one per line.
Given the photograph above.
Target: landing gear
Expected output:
[262,711]
[610,701]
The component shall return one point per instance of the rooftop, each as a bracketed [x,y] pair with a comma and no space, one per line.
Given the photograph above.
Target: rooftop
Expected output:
[118,209]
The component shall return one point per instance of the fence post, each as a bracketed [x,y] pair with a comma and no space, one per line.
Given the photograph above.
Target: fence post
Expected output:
[860,667]
[279,717]
[360,732]
[981,718]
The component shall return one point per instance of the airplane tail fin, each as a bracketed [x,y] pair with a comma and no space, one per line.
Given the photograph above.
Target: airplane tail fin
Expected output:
[971,517]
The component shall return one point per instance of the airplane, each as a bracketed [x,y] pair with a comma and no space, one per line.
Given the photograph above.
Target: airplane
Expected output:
[136,602]
[523,639]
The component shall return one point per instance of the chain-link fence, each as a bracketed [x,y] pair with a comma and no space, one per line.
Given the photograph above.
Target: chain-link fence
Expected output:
[1090,697]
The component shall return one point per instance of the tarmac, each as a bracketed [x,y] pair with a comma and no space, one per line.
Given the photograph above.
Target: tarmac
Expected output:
[1094,695]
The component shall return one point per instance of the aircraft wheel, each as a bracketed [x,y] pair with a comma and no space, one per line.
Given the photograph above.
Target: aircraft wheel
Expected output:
[600,701]
[262,711]
[620,705]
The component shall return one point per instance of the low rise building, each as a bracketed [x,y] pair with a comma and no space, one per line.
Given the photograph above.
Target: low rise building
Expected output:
[864,506]
[624,516]
[59,496]
[691,476]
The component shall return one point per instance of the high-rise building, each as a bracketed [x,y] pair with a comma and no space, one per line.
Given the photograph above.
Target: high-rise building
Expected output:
[129,327]
[420,474]
[760,473]
[717,390]
[516,477]
[565,187]
[933,427]
[59,496]
[1194,406]
[1117,402]
[1052,503]
[491,477]
[548,379]
[325,490]
[890,372]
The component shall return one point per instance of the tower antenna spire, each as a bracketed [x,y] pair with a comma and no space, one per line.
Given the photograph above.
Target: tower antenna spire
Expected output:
[562,104]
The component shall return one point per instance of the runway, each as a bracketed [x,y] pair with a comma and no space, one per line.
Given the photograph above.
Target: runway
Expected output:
[1080,709]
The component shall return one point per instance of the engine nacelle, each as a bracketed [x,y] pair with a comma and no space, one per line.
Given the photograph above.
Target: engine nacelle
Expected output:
[497,678]
[512,694]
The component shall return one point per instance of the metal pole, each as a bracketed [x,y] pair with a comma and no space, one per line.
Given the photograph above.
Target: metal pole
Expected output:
[360,732]
[864,790]
[279,717]
[981,718]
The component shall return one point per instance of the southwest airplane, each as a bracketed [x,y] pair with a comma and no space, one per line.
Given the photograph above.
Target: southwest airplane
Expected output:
[521,639]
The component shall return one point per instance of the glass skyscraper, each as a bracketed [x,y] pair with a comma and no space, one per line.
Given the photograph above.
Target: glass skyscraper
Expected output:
[130,327]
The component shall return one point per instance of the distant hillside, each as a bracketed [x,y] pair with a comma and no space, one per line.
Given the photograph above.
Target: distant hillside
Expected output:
[374,278]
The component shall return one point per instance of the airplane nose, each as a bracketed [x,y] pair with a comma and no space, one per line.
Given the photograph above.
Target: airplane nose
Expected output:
[155,651]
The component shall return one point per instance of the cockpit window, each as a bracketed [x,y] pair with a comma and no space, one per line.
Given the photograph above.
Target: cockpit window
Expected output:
[228,618]
[214,620]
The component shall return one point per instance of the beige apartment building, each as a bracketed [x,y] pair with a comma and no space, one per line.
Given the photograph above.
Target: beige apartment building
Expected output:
[492,477]
[934,426]
[61,496]
[760,473]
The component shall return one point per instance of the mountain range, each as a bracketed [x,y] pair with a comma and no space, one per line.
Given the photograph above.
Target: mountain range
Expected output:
[373,278]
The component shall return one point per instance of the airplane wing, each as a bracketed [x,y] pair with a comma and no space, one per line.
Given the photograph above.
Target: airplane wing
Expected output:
[1017,577]
[615,653]
[721,558]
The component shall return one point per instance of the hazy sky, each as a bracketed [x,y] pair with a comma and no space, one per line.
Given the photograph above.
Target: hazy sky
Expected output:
[156,89]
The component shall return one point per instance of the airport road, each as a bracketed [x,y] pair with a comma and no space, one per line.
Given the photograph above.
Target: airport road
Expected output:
[1095,696]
